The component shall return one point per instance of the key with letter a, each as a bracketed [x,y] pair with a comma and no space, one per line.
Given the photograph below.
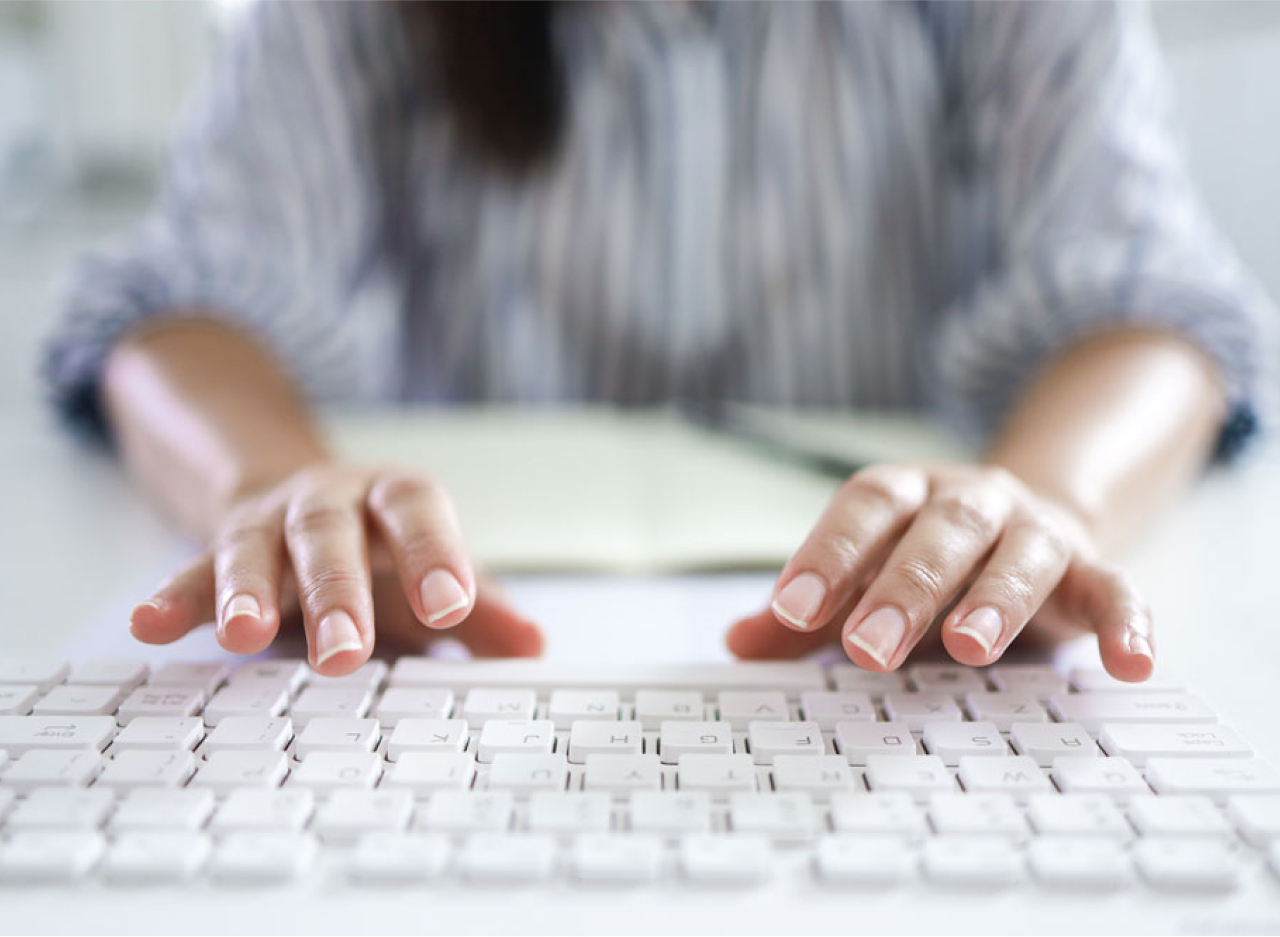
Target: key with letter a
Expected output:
[1046,741]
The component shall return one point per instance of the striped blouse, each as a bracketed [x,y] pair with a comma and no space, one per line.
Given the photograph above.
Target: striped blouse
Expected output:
[889,205]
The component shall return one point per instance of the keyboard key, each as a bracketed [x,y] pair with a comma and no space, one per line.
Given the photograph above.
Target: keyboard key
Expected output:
[466,812]
[1016,775]
[204,676]
[225,771]
[878,862]
[159,733]
[50,856]
[78,701]
[245,700]
[819,776]
[173,702]
[42,768]
[1003,709]
[972,862]
[333,702]
[828,709]
[915,709]
[654,707]
[327,771]
[852,677]
[788,817]
[1088,815]
[1046,742]
[874,815]
[248,733]
[1035,679]
[1180,865]
[741,859]
[1079,862]
[603,738]
[719,775]
[262,858]
[1091,710]
[427,735]
[483,705]
[140,768]
[348,814]
[423,772]
[329,734]
[630,859]
[286,673]
[405,703]
[1115,777]
[1138,742]
[41,673]
[1257,817]
[917,775]
[977,815]
[1174,815]
[18,698]
[622,774]
[399,857]
[952,741]
[125,674]
[516,737]
[947,678]
[48,808]
[1216,778]
[741,707]
[569,706]
[677,739]
[858,741]
[502,858]
[672,813]
[1093,680]
[564,812]
[768,740]
[155,857]
[366,678]
[250,810]
[523,773]
[186,808]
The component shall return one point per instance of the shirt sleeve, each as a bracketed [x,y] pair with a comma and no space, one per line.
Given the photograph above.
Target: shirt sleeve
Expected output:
[266,217]
[1077,215]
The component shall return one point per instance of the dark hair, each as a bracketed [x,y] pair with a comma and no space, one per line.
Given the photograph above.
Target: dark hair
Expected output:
[500,73]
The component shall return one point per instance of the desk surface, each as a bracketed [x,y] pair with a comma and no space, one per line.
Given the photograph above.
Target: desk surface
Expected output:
[78,546]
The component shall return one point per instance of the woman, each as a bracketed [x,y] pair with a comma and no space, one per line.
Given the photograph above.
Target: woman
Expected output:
[974,208]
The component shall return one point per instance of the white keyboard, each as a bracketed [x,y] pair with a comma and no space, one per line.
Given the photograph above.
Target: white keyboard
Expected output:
[447,776]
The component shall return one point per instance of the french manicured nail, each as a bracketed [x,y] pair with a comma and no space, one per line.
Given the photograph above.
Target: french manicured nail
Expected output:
[800,601]
[879,634]
[241,606]
[442,595]
[1139,646]
[984,625]
[336,633]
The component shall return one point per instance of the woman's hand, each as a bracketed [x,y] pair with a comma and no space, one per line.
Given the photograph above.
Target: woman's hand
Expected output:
[899,544]
[339,541]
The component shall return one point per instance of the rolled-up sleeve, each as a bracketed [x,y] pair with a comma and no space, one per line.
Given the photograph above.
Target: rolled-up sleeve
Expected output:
[1077,213]
[266,213]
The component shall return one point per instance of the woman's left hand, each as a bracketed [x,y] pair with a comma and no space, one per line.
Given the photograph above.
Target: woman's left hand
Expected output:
[899,544]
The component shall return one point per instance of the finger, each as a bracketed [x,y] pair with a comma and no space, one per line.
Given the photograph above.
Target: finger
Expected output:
[1025,567]
[934,558]
[863,518]
[183,602]
[417,521]
[495,629]
[761,637]
[324,535]
[248,564]
[1101,595]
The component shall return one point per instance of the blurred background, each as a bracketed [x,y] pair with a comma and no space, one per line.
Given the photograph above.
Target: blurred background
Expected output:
[90,90]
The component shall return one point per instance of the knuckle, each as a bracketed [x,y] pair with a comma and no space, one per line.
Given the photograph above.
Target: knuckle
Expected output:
[968,511]
[922,579]
[326,588]
[423,549]
[399,488]
[894,489]
[839,551]
[310,516]
[247,533]
[1016,589]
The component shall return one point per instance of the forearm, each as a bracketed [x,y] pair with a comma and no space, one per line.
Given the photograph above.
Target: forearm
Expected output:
[202,414]
[1114,427]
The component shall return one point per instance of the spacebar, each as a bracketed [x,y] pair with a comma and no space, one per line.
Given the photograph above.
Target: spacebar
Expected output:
[787,676]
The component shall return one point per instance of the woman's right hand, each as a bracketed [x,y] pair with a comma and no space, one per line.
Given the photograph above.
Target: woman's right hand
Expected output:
[338,541]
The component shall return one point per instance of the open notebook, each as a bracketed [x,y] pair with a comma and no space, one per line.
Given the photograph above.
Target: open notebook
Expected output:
[599,490]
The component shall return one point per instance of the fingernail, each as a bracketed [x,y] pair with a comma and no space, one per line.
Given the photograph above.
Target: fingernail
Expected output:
[442,595]
[800,600]
[1139,646]
[336,633]
[984,625]
[242,606]
[879,634]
